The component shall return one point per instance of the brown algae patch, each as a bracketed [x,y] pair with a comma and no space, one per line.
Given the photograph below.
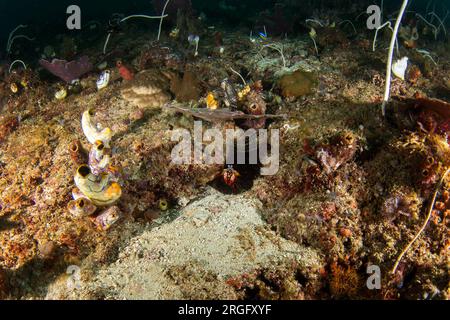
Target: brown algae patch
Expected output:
[297,84]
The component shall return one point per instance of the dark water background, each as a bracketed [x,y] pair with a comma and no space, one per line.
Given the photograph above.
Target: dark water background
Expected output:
[48,17]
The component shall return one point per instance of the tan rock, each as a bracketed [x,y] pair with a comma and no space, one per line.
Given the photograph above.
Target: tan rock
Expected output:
[149,89]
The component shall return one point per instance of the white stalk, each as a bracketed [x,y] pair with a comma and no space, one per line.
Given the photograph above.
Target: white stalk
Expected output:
[106,43]
[435,29]
[15,38]
[161,22]
[388,24]
[17,61]
[11,35]
[441,22]
[315,21]
[142,16]
[240,76]
[387,90]
[132,17]
[196,48]
[278,48]
[315,45]
[351,23]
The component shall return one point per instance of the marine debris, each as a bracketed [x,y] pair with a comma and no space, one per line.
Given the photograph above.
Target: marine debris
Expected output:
[162,19]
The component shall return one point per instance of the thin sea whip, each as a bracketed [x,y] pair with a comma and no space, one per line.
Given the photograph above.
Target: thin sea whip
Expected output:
[387,90]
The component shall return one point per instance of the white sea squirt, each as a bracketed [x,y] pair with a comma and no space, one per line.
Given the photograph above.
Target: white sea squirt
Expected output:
[91,130]
[399,67]
[194,39]
[98,160]
[103,80]
[61,94]
[81,207]
[100,190]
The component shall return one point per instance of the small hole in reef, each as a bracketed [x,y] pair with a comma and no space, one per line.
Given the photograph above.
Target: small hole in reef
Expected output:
[247,173]
[74,147]
[301,278]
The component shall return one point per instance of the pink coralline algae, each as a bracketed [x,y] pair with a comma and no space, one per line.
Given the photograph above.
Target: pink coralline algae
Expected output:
[68,71]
